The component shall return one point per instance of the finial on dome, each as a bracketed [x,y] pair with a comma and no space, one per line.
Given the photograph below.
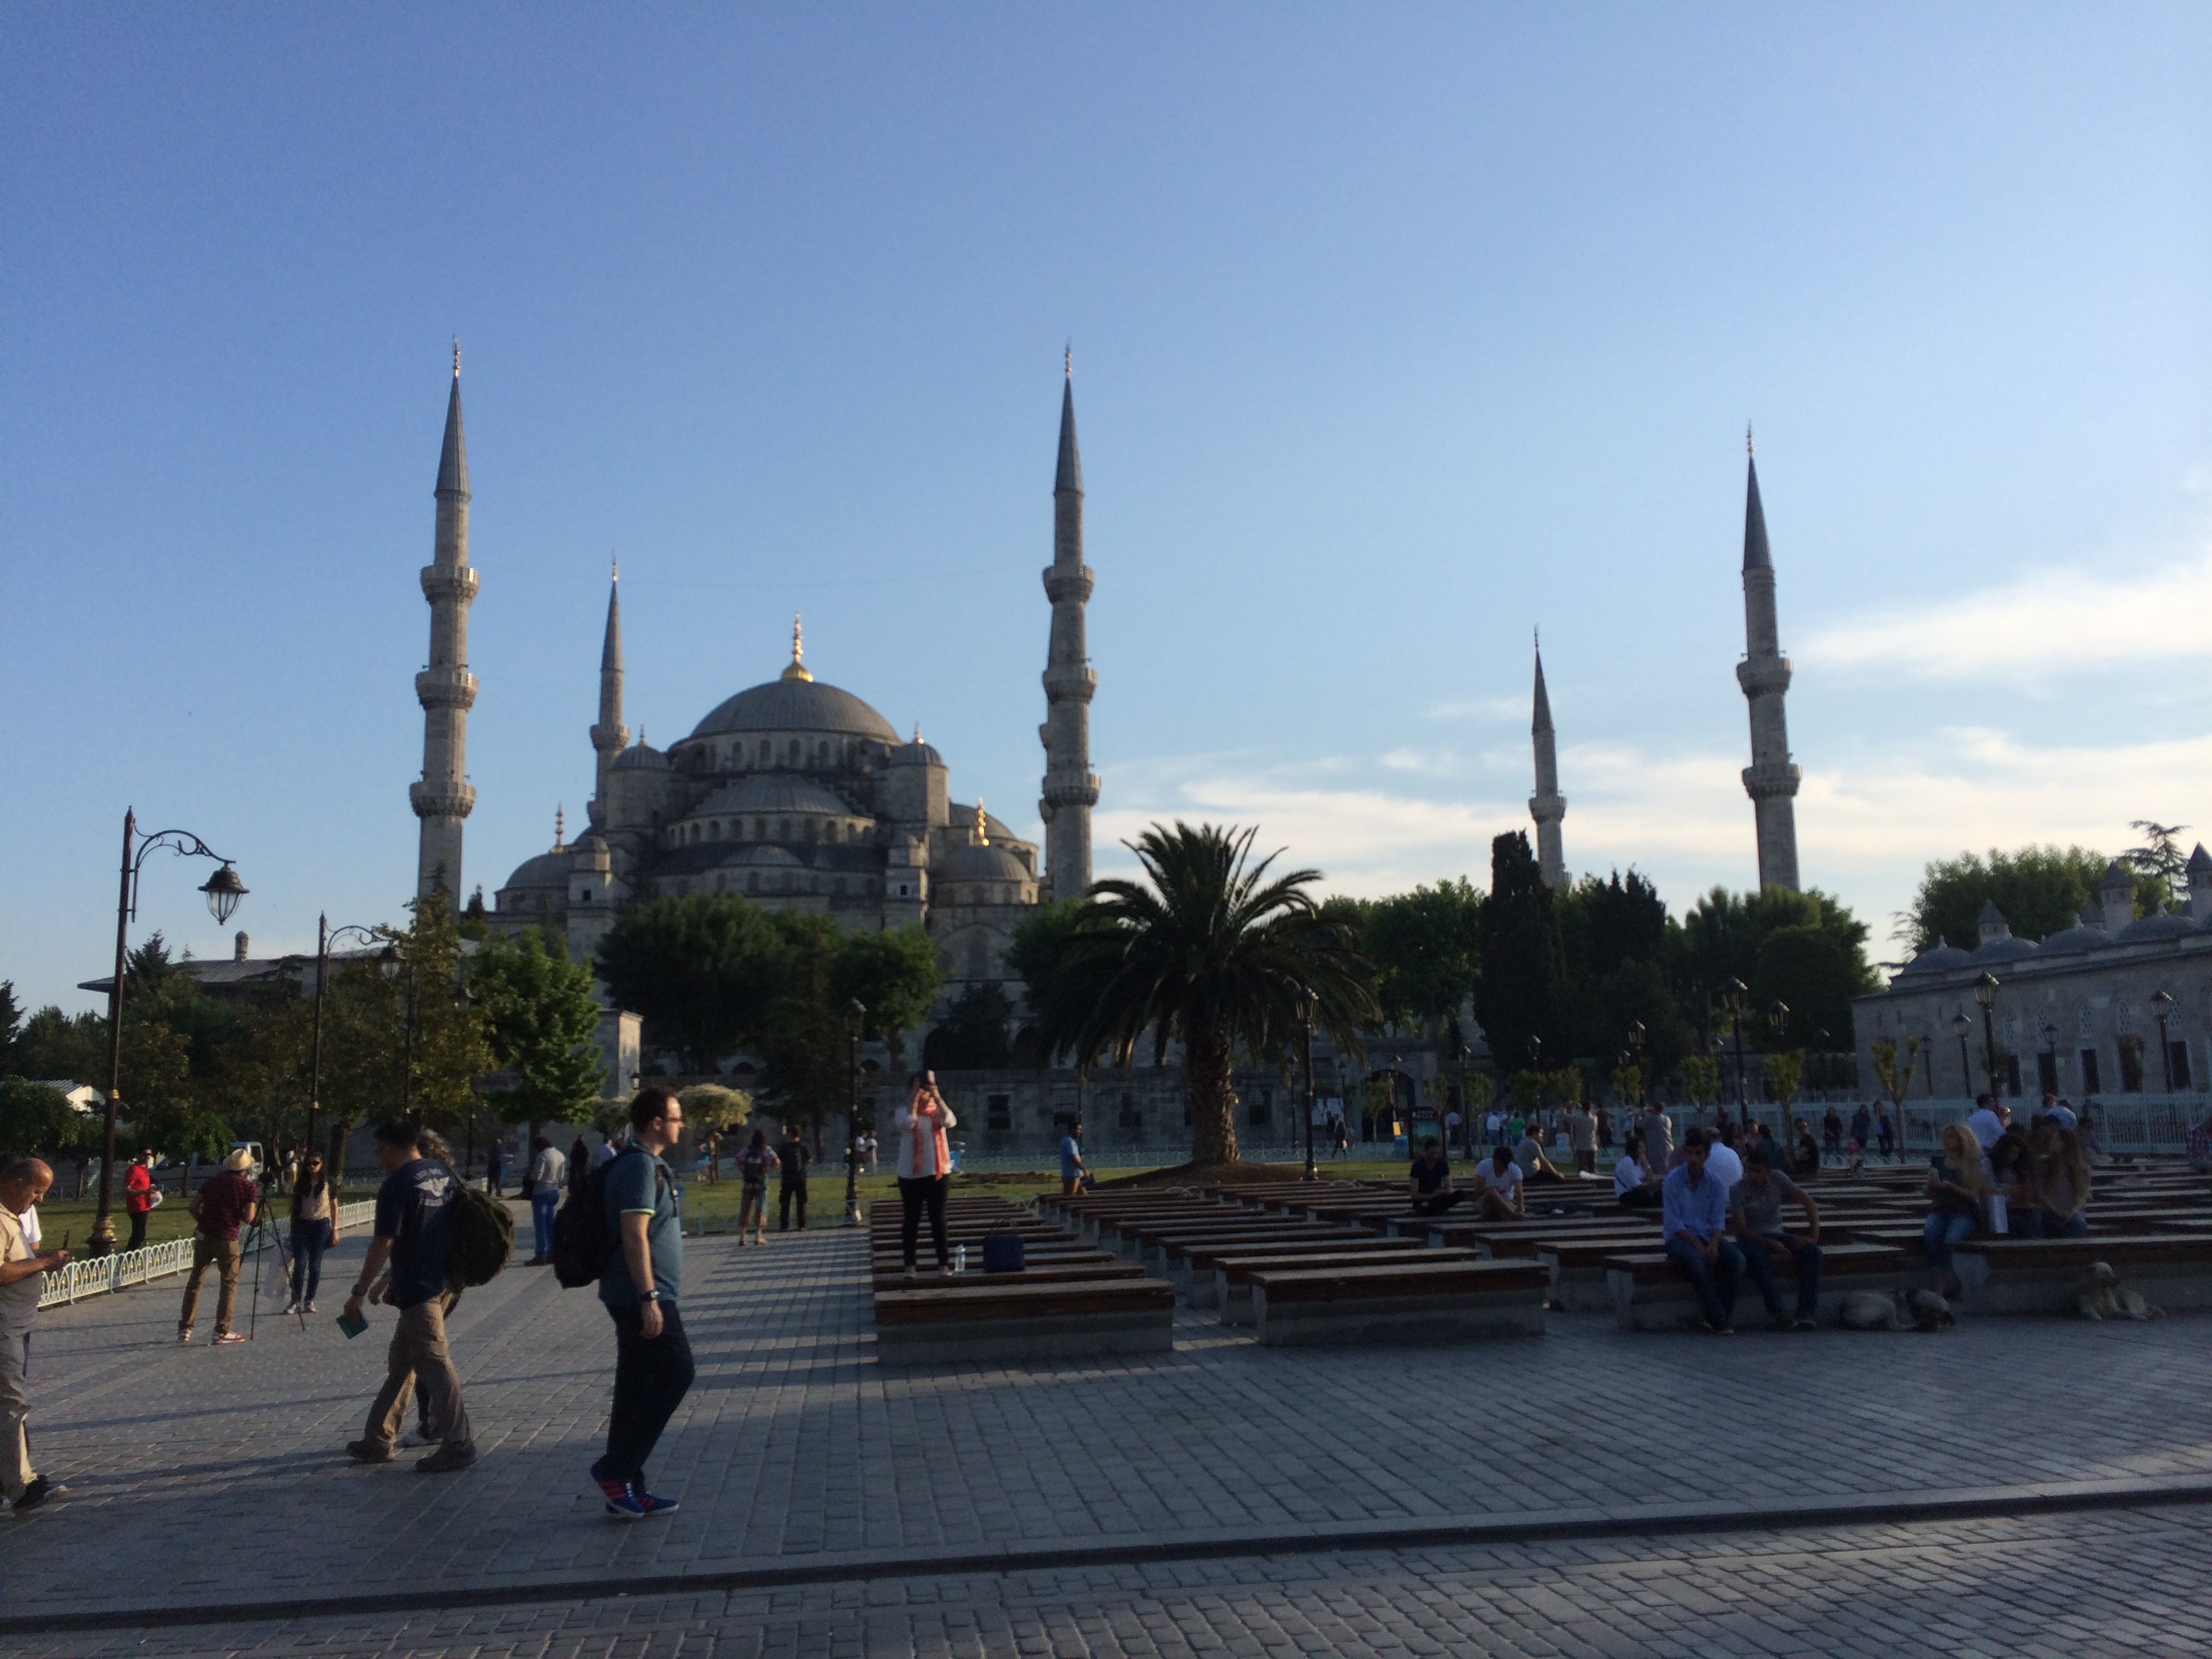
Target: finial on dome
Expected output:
[616,573]
[558,828]
[982,824]
[797,671]
[917,730]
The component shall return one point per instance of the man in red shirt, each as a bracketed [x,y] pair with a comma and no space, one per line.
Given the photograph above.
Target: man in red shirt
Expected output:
[138,1197]
[222,1207]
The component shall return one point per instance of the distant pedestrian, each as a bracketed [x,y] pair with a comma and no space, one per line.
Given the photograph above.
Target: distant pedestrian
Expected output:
[314,1230]
[754,1165]
[1604,1130]
[792,1159]
[1831,1131]
[1884,1135]
[652,1356]
[546,1169]
[414,1223]
[603,1153]
[138,1196]
[220,1208]
[1581,1136]
[1073,1173]
[495,1167]
[21,1185]
[925,1167]
[1658,1131]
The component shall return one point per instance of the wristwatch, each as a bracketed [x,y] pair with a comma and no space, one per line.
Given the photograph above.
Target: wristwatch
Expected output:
[648,1296]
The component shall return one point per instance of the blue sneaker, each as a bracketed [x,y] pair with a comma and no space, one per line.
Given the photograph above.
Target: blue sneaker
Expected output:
[658,1505]
[624,1501]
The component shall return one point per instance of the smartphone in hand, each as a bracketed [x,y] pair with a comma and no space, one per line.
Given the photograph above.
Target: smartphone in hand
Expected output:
[353,1327]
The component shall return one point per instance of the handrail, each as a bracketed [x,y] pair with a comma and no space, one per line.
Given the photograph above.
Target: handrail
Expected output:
[94,1275]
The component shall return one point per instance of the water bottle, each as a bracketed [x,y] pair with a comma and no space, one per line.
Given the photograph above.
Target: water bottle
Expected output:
[959,1258]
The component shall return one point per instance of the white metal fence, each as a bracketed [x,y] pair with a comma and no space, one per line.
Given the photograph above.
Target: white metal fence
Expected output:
[94,1275]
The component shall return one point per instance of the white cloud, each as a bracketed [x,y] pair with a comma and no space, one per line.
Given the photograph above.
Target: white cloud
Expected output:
[1481,708]
[2016,633]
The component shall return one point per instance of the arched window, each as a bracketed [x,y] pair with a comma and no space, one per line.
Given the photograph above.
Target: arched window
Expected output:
[695,835]
[715,829]
[760,828]
[794,751]
[822,752]
[783,830]
[752,881]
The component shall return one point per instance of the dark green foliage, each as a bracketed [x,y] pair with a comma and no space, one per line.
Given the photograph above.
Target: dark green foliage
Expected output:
[804,1037]
[894,973]
[11,1022]
[1426,946]
[2040,889]
[974,1035]
[1722,936]
[542,1025]
[700,971]
[36,1119]
[1815,977]
[1523,992]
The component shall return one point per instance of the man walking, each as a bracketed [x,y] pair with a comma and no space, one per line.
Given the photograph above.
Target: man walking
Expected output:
[1658,1131]
[21,1185]
[1694,1219]
[653,1357]
[792,1159]
[1581,1136]
[414,1224]
[1072,1171]
[220,1208]
[138,1197]
[495,1167]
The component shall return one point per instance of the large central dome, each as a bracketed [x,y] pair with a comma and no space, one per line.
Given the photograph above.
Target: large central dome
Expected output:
[796,705]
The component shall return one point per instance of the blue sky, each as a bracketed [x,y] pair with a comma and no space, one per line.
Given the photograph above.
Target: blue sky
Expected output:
[1398,332]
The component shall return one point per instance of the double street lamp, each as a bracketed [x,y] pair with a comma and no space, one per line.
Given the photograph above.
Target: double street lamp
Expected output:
[1733,995]
[223,890]
[325,937]
[1986,992]
[2162,1003]
[1959,1026]
[855,1011]
[1304,999]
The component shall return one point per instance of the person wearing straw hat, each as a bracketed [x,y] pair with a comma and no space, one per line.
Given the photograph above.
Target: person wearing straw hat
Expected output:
[219,1209]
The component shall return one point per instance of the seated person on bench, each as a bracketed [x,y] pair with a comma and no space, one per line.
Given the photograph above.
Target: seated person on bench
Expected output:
[1693,1218]
[1430,1186]
[1634,1186]
[1497,1186]
[1755,1216]
[1535,1167]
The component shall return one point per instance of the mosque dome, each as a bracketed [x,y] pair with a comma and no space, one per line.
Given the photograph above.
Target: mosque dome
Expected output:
[638,757]
[773,792]
[2008,948]
[797,705]
[548,871]
[993,864]
[1939,958]
[916,753]
[2158,925]
[2088,934]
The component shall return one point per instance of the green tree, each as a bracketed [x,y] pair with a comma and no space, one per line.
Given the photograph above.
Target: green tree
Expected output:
[1809,973]
[1426,946]
[710,1109]
[542,1026]
[1701,1079]
[35,1118]
[804,1037]
[1523,991]
[699,970]
[2040,891]
[895,975]
[11,1024]
[973,1037]
[1785,1071]
[2160,858]
[1893,1072]
[1208,950]
[53,1044]
[1722,936]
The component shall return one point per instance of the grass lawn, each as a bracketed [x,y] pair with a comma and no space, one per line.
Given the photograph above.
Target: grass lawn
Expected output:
[716,1203]
[74,1219]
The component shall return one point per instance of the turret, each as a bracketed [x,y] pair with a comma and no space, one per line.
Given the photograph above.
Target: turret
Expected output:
[2200,886]
[609,736]
[1770,780]
[1547,805]
[1071,788]
[2116,897]
[444,797]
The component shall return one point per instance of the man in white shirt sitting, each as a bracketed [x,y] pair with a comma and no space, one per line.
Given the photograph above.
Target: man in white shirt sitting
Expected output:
[1498,1188]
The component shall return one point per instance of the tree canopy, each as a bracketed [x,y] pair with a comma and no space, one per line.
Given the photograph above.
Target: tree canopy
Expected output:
[1522,998]
[699,970]
[542,1025]
[2040,889]
[1426,946]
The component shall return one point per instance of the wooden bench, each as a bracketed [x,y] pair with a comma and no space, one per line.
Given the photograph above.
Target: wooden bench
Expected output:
[1421,1299]
[1577,1264]
[1232,1274]
[1151,1244]
[1189,1262]
[1036,1272]
[1649,1293]
[2044,1275]
[1001,1320]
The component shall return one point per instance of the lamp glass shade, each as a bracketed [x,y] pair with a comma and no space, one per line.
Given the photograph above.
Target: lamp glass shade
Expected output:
[223,890]
[1962,1025]
[388,963]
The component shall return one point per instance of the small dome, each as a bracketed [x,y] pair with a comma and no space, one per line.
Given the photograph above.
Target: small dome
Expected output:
[1939,958]
[761,855]
[637,757]
[548,870]
[797,705]
[2003,948]
[916,753]
[773,792]
[2160,925]
[992,863]
[2072,941]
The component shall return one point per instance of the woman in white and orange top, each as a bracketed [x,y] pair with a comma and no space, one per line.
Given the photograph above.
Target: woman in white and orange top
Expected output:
[925,1165]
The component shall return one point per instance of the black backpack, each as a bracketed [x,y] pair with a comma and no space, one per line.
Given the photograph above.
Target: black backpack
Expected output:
[482,1238]
[581,1247]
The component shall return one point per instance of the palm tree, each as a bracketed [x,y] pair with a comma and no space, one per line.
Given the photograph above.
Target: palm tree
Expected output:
[1208,950]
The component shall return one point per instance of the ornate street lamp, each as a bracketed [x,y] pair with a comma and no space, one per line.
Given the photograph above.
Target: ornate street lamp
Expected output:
[855,1011]
[2049,1033]
[1986,992]
[2162,1004]
[325,937]
[1959,1026]
[1638,1037]
[1303,999]
[1732,998]
[223,890]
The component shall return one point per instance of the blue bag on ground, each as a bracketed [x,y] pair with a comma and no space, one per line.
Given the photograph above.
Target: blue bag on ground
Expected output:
[1002,1253]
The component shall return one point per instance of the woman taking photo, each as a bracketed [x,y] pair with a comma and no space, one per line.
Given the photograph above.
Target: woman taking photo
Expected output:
[925,1166]
[314,1230]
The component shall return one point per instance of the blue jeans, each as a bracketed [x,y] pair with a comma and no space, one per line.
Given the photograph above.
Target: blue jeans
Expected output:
[543,1200]
[652,1376]
[1758,1262]
[1715,1284]
[309,1240]
[1941,1233]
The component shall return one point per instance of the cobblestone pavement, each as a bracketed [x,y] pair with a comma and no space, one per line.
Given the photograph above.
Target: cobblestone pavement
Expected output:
[202,1476]
[2109,1583]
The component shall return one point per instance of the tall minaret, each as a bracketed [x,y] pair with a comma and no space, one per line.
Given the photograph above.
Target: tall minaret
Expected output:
[1771,780]
[1071,788]
[1547,805]
[446,689]
[609,735]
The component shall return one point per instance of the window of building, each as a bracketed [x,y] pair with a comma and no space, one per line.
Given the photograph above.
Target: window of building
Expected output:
[752,881]
[2178,1056]
[2046,1073]
[1130,1117]
[714,829]
[2131,1065]
[2091,1082]
[998,1112]
[794,751]
[1260,1109]
[822,752]
[2012,1076]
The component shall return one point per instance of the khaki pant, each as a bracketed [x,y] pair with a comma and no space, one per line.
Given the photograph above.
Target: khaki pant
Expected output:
[223,1254]
[16,1471]
[419,1358]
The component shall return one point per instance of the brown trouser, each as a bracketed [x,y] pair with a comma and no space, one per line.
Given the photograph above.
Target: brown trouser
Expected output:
[419,1359]
[15,1472]
[222,1253]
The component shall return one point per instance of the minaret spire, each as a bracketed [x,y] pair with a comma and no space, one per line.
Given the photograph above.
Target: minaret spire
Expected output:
[1071,788]
[1547,805]
[443,797]
[609,736]
[1770,780]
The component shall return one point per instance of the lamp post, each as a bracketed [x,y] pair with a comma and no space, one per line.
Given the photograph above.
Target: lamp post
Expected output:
[1777,1025]
[1303,999]
[2162,1004]
[855,1011]
[1638,1037]
[2049,1033]
[388,963]
[325,937]
[223,890]
[1462,1055]
[1986,992]
[1959,1026]
[1732,999]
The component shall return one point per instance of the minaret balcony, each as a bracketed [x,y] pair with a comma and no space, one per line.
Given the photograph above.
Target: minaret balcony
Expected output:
[1547,808]
[442,800]
[1758,676]
[1061,585]
[446,688]
[1070,684]
[1071,789]
[1766,782]
[457,581]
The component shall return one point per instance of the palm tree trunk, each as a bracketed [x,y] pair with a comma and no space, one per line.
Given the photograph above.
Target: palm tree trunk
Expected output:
[1212,1106]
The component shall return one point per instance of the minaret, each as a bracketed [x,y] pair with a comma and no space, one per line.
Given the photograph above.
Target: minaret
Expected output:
[445,689]
[1071,788]
[1547,805]
[1771,780]
[610,736]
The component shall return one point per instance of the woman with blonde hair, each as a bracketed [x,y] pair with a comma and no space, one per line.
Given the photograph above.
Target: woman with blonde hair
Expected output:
[1955,1184]
[2062,1184]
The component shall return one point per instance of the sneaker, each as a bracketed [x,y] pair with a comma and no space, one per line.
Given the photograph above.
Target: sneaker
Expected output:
[447,1460]
[1804,1322]
[1718,1328]
[415,1437]
[309,1308]
[293,1306]
[41,1489]
[367,1451]
[657,1505]
[184,1332]
[221,1337]
[621,1498]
